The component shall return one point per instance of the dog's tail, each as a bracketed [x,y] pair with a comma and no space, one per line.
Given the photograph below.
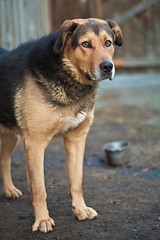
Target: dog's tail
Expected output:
[2,51]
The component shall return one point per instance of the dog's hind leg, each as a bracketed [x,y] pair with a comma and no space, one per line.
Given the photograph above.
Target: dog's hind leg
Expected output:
[9,141]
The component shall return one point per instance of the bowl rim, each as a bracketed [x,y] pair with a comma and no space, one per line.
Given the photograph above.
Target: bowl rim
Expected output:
[122,146]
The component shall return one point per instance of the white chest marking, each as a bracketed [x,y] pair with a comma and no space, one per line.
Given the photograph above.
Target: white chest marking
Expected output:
[71,122]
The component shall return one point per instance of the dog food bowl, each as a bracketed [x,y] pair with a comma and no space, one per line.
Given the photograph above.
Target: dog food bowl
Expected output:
[117,153]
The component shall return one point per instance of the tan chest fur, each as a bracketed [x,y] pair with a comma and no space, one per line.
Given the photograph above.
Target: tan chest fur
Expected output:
[35,116]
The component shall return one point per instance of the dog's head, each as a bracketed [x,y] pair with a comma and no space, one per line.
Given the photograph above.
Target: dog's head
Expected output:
[87,47]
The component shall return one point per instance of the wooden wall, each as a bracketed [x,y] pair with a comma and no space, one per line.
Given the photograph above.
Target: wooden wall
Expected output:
[22,20]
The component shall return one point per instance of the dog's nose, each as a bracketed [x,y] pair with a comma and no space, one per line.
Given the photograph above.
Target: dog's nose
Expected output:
[106,66]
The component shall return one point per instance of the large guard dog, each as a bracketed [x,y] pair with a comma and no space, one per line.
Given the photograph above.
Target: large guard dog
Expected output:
[48,88]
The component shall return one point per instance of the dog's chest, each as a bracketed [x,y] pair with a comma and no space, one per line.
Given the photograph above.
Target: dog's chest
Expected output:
[72,122]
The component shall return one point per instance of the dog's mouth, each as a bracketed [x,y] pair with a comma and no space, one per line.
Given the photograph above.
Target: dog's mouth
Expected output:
[93,79]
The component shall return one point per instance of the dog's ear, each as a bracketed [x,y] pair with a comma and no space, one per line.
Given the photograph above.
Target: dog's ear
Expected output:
[116,31]
[65,32]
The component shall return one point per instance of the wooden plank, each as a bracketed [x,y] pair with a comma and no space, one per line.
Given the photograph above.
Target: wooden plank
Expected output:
[45,18]
[31,27]
[11,38]
[3,23]
[22,21]
[139,8]
[16,22]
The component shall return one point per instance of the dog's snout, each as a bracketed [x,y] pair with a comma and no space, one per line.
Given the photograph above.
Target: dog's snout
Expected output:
[106,66]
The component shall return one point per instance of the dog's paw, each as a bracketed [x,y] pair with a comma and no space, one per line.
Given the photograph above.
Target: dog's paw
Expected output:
[44,225]
[84,213]
[12,192]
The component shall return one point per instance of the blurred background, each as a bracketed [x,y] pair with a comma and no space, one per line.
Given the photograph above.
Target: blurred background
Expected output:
[127,109]
[22,20]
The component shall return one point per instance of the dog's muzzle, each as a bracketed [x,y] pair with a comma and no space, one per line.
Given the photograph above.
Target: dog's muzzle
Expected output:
[107,70]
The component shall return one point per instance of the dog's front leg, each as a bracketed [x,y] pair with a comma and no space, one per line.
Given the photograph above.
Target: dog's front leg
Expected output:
[74,143]
[35,162]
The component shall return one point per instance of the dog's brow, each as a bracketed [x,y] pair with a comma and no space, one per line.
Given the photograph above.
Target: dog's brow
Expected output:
[93,26]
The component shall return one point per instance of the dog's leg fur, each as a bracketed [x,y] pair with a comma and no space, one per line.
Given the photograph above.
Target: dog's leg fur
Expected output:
[9,141]
[34,148]
[74,143]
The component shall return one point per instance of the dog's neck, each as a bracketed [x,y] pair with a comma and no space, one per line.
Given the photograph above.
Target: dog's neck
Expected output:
[64,90]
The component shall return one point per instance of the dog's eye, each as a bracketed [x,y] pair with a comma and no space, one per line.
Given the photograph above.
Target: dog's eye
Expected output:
[108,43]
[86,44]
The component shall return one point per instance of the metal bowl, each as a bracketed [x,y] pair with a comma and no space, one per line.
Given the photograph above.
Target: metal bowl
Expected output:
[117,153]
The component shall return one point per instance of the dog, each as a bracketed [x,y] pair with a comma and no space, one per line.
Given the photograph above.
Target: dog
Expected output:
[47,89]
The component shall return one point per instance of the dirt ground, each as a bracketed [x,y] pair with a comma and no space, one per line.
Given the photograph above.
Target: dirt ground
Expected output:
[126,198]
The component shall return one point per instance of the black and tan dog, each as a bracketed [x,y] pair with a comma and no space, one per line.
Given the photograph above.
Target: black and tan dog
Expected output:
[48,88]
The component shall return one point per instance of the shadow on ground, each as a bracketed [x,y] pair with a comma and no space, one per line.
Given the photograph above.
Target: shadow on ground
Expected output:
[127,198]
